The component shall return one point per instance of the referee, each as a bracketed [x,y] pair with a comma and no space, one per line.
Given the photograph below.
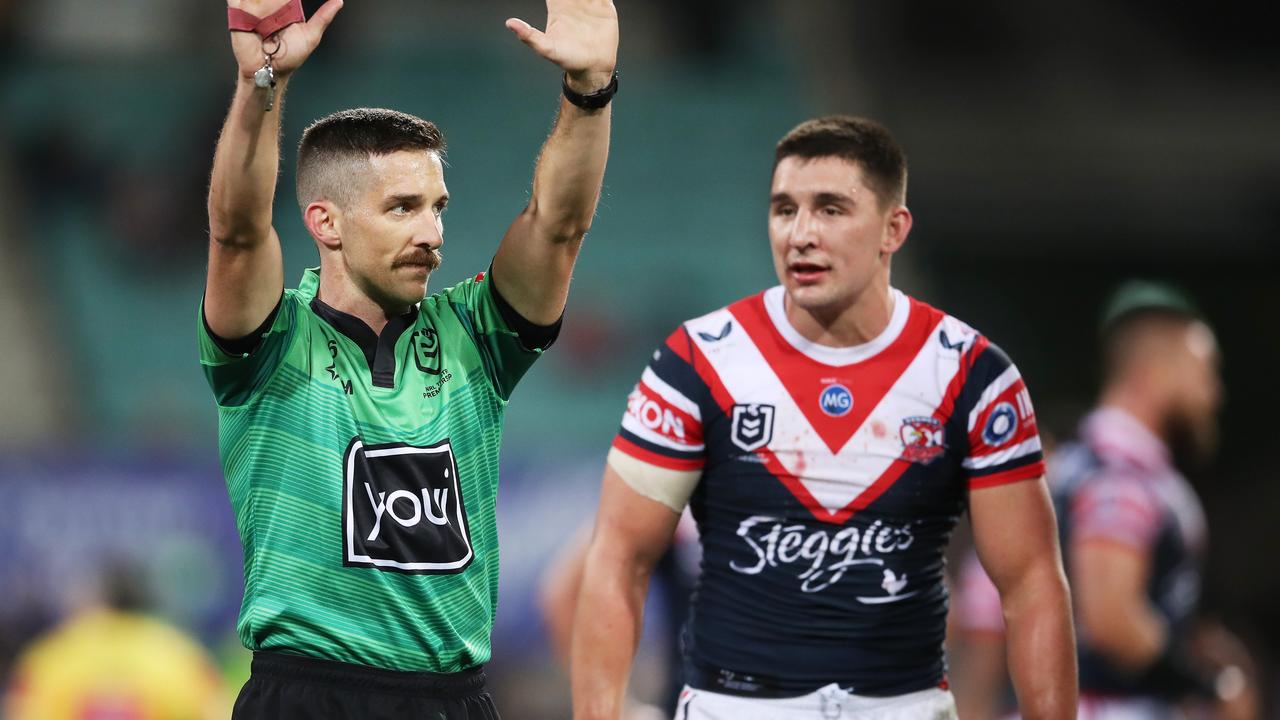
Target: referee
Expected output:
[359,418]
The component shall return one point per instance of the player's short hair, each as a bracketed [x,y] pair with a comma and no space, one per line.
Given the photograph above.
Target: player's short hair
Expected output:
[865,142]
[1137,318]
[336,145]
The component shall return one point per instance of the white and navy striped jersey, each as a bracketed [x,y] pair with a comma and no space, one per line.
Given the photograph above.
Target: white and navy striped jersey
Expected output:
[831,479]
[1118,484]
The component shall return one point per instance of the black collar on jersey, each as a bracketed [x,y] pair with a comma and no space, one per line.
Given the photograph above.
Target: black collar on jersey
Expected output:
[379,350]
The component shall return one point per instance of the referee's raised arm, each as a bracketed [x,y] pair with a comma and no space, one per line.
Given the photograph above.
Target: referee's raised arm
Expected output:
[245,274]
[535,260]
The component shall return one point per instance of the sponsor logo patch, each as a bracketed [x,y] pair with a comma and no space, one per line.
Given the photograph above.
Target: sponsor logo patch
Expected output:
[950,344]
[1001,425]
[403,509]
[820,557]
[922,439]
[724,333]
[836,400]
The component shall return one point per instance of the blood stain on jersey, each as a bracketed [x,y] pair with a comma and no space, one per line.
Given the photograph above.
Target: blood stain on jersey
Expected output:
[922,439]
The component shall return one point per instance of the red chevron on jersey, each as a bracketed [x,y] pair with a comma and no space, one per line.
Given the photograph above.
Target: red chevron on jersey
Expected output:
[914,370]
[807,379]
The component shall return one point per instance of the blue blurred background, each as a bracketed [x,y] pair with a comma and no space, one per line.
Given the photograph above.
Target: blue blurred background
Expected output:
[1055,150]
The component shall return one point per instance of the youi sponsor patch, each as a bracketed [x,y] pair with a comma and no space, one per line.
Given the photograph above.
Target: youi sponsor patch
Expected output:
[403,509]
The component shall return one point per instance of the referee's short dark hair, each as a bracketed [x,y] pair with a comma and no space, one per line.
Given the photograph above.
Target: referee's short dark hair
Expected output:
[865,142]
[331,145]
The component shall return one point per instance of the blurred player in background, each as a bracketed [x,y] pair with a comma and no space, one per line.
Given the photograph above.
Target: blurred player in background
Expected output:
[1133,528]
[1134,534]
[359,420]
[827,433]
[676,574]
[115,662]
[976,645]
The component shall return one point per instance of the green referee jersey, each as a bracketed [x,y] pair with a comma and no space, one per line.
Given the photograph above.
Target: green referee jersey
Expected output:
[363,472]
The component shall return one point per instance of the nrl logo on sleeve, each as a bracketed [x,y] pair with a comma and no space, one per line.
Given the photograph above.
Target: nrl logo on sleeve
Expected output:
[752,426]
[402,509]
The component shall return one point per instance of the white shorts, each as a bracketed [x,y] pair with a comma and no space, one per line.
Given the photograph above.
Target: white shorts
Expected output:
[828,703]
[1093,707]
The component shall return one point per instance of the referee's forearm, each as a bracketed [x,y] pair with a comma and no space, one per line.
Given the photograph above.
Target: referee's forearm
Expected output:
[245,168]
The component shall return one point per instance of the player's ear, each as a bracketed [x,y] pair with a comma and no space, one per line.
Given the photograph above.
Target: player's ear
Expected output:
[896,230]
[324,221]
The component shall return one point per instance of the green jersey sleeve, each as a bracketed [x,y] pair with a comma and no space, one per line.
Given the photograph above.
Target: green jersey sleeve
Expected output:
[236,378]
[506,358]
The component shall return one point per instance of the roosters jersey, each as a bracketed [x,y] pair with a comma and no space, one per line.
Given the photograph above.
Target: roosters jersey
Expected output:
[1118,484]
[831,479]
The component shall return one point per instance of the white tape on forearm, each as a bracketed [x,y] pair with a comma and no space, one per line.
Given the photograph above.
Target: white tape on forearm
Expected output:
[669,487]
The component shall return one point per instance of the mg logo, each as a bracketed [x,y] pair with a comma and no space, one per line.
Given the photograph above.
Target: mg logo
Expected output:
[836,400]
[403,509]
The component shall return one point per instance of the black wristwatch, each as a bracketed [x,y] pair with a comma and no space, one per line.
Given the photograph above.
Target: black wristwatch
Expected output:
[591,101]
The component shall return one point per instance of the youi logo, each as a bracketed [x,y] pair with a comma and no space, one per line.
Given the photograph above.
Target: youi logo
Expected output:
[836,400]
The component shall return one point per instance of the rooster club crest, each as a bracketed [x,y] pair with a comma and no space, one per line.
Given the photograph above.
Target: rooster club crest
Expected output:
[922,439]
[752,426]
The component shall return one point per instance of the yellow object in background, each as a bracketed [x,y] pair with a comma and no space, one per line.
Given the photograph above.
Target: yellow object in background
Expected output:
[113,665]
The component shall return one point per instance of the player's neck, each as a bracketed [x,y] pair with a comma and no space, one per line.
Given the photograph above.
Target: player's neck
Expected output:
[855,324]
[1137,406]
[338,292]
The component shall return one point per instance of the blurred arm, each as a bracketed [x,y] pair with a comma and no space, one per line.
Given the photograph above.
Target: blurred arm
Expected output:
[977,674]
[535,260]
[1016,537]
[1239,697]
[558,593]
[1110,580]
[976,643]
[631,534]
[1116,527]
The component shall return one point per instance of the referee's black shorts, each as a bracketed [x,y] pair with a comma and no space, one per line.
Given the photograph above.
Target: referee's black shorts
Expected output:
[283,687]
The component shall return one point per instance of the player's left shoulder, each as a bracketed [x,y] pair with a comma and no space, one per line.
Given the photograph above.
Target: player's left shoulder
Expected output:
[951,336]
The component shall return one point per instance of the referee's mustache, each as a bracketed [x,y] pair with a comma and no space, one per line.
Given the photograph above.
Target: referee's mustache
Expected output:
[429,258]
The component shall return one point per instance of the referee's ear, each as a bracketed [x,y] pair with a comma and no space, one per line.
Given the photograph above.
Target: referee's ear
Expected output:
[324,221]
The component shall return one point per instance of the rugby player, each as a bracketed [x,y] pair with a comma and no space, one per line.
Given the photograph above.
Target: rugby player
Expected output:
[359,419]
[1134,532]
[828,433]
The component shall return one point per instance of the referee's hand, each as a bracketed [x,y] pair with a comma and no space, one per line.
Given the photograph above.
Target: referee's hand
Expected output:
[297,41]
[581,38]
